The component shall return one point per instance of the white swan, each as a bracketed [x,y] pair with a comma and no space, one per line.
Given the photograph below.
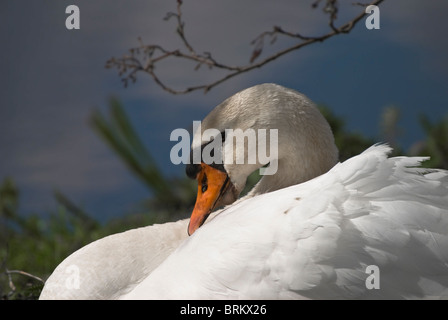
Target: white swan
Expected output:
[370,227]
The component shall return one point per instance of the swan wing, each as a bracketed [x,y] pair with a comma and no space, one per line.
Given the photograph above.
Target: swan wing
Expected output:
[112,266]
[371,227]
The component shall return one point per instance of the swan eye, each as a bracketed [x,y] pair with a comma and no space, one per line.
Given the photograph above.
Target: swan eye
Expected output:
[204,185]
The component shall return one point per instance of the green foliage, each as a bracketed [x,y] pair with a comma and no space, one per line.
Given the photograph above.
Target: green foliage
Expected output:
[436,143]
[121,137]
[32,246]
[35,245]
[170,195]
[348,143]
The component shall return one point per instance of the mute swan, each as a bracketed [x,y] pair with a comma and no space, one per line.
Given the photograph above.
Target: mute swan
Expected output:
[370,227]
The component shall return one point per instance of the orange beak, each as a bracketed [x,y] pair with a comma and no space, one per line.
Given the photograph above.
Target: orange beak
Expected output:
[212,184]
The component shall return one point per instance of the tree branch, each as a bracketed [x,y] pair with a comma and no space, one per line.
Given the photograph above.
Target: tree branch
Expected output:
[8,273]
[145,57]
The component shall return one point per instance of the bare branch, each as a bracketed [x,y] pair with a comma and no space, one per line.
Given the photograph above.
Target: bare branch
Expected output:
[361,4]
[23,273]
[8,273]
[145,57]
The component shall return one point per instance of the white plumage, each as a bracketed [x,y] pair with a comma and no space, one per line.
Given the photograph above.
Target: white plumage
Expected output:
[318,239]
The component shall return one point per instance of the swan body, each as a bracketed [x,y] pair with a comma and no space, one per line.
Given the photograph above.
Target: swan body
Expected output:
[317,239]
[110,267]
[371,227]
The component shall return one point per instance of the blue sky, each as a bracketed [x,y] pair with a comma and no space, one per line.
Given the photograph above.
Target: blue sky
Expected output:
[53,78]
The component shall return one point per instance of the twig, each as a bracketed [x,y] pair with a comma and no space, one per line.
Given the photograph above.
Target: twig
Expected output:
[145,57]
[9,272]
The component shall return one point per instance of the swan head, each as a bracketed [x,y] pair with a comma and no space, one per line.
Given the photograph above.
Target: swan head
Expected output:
[285,124]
